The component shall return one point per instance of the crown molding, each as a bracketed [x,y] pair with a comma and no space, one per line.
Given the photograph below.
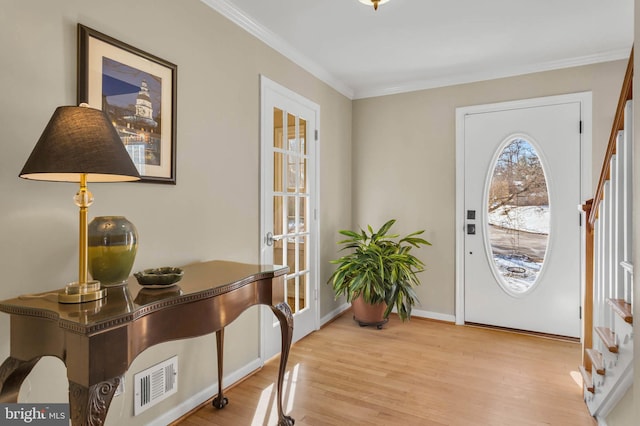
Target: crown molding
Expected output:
[272,40]
[246,22]
[413,86]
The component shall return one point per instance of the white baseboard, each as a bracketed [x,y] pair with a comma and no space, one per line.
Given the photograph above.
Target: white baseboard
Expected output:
[194,401]
[331,315]
[433,315]
[414,313]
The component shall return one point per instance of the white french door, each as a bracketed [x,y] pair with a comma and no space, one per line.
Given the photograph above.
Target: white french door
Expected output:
[288,204]
[521,235]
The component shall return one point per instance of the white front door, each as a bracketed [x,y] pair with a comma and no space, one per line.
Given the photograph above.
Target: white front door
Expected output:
[289,226]
[522,187]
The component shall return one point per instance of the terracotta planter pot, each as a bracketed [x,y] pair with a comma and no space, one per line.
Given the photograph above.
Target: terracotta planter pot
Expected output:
[367,314]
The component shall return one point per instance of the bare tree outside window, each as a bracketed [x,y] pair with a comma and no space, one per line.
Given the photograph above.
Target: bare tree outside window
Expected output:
[518,213]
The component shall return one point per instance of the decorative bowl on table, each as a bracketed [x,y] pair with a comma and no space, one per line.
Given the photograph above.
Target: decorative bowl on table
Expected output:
[159,277]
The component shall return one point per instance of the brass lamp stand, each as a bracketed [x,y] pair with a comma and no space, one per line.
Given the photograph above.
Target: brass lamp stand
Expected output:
[83,290]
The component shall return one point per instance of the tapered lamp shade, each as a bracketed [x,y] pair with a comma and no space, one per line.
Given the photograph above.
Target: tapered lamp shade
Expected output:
[79,140]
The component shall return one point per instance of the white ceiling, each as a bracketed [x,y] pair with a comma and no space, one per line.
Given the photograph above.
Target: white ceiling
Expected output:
[415,44]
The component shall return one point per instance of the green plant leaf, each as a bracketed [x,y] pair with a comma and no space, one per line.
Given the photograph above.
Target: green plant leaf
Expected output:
[380,267]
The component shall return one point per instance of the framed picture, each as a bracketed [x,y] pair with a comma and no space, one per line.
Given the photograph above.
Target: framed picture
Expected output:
[138,92]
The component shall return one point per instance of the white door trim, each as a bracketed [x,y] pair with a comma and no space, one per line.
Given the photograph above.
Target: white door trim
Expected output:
[584,98]
[268,85]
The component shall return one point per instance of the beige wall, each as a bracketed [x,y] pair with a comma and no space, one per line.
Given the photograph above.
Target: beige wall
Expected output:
[404,157]
[213,211]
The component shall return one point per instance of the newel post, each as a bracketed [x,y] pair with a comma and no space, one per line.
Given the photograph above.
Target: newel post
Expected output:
[587,302]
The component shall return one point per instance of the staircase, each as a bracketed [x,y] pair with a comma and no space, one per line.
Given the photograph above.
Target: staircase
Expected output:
[607,369]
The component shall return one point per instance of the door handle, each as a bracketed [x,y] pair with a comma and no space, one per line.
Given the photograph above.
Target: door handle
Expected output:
[270,238]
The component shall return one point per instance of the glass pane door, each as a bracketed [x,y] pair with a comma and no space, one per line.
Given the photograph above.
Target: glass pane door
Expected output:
[290,205]
[288,197]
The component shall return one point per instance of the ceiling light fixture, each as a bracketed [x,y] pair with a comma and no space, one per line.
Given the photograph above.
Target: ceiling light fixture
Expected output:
[374,2]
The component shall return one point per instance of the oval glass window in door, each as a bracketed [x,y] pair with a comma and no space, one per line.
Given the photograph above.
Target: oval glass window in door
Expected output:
[518,217]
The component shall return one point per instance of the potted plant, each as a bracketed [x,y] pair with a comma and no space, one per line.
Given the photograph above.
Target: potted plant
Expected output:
[378,274]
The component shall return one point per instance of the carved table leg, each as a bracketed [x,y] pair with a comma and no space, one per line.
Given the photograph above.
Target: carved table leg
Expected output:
[284,315]
[220,401]
[89,406]
[12,373]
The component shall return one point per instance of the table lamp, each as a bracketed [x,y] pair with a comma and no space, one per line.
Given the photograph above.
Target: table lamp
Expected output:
[80,145]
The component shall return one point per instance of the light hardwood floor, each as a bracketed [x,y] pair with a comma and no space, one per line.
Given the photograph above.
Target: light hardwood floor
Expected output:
[417,373]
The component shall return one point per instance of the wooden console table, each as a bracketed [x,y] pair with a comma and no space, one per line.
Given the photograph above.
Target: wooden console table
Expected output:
[98,341]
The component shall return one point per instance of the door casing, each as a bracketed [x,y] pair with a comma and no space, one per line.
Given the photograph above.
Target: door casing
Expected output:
[268,323]
[585,99]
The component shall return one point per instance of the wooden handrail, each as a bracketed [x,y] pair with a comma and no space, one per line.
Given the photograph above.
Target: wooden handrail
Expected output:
[626,93]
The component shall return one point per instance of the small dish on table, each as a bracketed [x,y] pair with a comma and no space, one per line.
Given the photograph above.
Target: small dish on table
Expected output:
[159,277]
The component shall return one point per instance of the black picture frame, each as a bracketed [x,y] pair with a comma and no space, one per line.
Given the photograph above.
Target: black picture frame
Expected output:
[138,92]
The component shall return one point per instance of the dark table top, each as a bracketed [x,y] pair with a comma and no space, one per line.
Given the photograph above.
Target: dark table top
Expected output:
[130,301]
